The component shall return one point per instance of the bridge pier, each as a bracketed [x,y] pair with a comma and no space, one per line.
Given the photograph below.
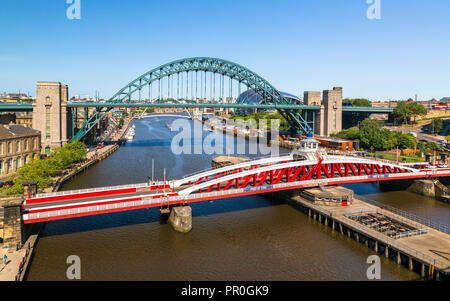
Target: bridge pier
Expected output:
[181,219]
[13,227]
[425,187]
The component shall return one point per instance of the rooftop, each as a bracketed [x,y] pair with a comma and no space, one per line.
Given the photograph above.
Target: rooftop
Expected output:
[16,130]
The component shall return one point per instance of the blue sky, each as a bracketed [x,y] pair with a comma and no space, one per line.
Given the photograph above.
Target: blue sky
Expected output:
[296,45]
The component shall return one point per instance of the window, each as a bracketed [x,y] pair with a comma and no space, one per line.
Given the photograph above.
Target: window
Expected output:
[47,123]
[9,165]
[1,168]
[25,144]
[1,148]
[47,99]
[18,162]
[9,147]
[18,147]
[25,159]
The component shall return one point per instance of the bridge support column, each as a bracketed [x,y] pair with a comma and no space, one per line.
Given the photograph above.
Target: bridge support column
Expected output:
[12,223]
[332,101]
[181,219]
[423,187]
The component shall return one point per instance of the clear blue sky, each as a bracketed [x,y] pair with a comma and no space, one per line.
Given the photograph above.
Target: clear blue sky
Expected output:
[296,45]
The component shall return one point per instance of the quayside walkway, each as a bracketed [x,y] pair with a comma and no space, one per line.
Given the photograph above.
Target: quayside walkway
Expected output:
[424,247]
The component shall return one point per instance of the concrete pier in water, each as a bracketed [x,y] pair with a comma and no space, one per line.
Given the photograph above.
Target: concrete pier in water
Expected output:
[181,219]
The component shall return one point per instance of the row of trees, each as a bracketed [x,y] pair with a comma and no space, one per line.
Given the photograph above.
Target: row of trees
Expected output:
[373,136]
[43,170]
[358,102]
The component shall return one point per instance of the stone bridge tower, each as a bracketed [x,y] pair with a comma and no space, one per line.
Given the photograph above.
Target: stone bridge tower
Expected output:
[328,119]
[332,101]
[51,115]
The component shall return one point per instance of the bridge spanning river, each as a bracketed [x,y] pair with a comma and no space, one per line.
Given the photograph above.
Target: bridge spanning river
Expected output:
[254,177]
[249,237]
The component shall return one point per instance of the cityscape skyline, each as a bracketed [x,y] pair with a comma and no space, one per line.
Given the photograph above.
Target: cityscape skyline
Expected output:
[394,58]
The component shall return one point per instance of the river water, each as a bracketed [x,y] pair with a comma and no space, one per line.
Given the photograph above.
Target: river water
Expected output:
[245,238]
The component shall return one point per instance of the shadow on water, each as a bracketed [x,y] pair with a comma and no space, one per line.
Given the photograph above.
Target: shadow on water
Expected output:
[152,215]
[370,188]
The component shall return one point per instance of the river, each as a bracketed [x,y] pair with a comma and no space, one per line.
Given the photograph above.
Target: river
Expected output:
[245,238]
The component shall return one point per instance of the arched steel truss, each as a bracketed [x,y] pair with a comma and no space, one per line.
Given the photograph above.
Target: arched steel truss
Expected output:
[229,69]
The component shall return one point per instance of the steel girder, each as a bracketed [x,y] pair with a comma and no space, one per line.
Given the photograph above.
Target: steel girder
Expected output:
[232,70]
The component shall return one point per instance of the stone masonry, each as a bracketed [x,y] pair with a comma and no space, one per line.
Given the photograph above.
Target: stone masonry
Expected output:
[332,100]
[51,115]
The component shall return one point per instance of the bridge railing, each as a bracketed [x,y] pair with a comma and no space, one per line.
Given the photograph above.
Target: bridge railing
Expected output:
[410,216]
[211,168]
[79,191]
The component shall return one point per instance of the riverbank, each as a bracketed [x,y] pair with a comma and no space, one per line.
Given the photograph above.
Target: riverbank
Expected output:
[258,238]
[18,260]
[92,158]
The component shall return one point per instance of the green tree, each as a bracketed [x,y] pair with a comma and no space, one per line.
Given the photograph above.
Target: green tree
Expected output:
[436,126]
[417,109]
[405,111]
[42,170]
[358,102]
[121,122]
[350,134]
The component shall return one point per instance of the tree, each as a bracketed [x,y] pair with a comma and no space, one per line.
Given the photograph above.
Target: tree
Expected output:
[42,170]
[405,111]
[402,112]
[121,122]
[436,126]
[417,109]
[350,134]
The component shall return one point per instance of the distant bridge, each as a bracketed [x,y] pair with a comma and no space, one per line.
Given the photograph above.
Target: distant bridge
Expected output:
[254,177]
[28,107]
[198,78]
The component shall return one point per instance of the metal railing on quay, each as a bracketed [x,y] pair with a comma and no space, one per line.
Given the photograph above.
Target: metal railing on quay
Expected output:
[394,243]
[410,216]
